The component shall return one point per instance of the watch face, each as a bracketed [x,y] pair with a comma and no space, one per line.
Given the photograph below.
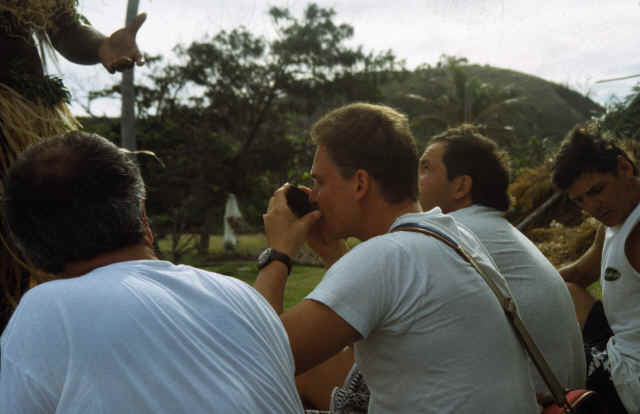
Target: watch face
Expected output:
[264,257]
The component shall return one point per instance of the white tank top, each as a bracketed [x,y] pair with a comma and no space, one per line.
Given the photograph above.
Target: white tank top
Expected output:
[621,299]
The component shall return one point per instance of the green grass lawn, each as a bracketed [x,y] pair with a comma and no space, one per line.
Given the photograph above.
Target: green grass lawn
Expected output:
[301,281]
[235,263]
[249,245]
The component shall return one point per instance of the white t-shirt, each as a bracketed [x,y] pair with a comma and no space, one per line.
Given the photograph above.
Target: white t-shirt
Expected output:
[621,301]
[435,338]
[542,296]
[146,337]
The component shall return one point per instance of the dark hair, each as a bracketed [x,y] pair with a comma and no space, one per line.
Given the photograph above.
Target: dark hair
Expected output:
[586,150]
[72,197]
[467,152]
[374,138]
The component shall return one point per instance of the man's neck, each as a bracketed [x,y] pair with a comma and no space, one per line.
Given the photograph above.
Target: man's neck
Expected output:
[633,190]
[457,205]
[380,218]
[136,252]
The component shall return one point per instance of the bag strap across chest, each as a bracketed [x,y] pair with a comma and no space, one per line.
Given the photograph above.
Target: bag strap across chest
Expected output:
[509,308]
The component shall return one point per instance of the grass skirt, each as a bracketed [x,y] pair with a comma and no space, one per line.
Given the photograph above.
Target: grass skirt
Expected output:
[22,123]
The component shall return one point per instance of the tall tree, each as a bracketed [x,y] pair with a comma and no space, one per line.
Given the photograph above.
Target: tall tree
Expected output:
[623,116]
[231,115]
[452,97]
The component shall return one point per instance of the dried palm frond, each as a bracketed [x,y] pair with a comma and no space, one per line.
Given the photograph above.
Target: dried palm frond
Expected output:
[532,187]
[22,123]
[36,15]
[564,244]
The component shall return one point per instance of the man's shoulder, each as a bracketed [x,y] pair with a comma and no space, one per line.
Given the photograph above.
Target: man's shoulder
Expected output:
[479,217]
[375,256]
[38,313]
[50,290]
[397,243]
[207,279]
[632,247]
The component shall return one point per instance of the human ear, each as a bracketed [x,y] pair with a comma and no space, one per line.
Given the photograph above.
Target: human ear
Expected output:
[462,185]
[625,168]
[362,180]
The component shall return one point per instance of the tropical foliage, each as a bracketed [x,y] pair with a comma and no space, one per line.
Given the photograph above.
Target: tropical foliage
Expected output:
[230,114]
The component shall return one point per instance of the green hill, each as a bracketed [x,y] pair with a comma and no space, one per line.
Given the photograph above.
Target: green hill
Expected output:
[514,106]
[526,105]
[557,108]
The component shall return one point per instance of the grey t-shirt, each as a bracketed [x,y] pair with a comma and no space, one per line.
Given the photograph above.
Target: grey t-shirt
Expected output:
[542,296]
[435,339]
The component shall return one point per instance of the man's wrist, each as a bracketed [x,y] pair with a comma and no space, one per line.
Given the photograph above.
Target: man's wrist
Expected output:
[270,255]
[277,267]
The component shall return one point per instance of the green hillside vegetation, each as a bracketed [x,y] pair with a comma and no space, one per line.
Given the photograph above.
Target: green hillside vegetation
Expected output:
[527,115]
[548,110]
[518,110]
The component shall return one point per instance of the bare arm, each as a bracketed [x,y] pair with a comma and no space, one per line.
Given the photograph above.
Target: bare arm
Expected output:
[632,248]
[271,282]
[75,41]
[316,333]
[586,270]
[285,233]
[84,45]
[315,385]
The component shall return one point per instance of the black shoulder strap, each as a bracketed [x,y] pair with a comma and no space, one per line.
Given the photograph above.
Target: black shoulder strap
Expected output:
[509,308]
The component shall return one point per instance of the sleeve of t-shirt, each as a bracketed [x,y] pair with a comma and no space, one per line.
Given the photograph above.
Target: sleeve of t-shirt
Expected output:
[363,286]
[265,321]
[20,393]
[274,363]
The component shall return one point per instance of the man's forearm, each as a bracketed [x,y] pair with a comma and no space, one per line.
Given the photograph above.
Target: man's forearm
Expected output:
[271,282]
[77,42]
[586,270]
[573,274]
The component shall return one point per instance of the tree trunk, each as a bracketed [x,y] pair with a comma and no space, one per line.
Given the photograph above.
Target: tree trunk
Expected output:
[205,236]
[522,226]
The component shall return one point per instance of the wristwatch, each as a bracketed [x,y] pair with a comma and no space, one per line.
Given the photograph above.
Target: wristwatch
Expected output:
[269,255]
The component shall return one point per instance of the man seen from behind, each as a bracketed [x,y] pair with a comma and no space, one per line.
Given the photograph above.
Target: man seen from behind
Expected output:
[120,331]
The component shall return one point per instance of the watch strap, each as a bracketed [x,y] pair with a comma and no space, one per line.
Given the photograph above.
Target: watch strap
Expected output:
[279,256]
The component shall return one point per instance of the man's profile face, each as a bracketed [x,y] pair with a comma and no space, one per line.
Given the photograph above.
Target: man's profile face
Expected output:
[606,196]
[333,195]
[435,188]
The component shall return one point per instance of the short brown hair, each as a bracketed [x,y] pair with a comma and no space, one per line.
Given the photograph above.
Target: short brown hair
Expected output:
[374,138]
[586,149]
[468,152]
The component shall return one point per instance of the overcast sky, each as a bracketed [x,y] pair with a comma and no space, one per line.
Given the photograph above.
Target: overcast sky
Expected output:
[574,42]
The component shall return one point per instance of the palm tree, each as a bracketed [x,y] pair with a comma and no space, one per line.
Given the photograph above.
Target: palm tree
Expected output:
[465,99]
